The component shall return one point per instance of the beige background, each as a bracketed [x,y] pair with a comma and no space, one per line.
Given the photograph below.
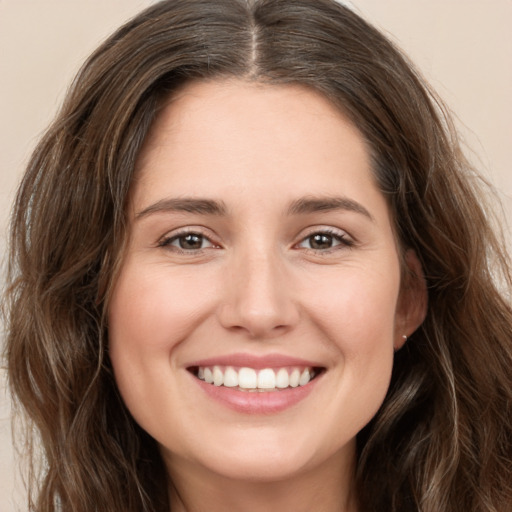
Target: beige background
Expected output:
[464,47]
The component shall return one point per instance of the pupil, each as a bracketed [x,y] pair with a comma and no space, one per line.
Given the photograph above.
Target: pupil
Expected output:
[321,241]
[191,242]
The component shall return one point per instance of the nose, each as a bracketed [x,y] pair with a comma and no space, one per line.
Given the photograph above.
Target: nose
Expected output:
[258,297]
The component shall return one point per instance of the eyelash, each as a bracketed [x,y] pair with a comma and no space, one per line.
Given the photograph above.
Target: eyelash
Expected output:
[342,238]
[344,241]
[167,241]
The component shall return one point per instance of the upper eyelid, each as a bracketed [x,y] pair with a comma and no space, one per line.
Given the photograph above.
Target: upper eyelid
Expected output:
[176,233]
[198,229]
[342,233]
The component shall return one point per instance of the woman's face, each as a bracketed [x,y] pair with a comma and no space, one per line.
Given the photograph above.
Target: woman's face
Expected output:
[262,257]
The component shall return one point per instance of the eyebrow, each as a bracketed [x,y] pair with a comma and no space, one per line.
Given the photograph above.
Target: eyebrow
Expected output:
[313,204]
[189,205]
[302,206]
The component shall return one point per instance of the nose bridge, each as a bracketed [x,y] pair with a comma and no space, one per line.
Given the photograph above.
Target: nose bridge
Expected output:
[259,300]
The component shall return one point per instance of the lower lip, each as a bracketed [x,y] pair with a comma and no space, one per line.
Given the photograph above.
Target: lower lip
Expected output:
[256,402]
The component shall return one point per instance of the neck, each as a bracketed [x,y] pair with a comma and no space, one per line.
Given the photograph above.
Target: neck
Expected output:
[329,488]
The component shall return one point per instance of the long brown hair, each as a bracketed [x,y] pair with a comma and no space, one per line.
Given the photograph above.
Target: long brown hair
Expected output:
[442,439]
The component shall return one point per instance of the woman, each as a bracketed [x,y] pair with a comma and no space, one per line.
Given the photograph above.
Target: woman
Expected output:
[251,270]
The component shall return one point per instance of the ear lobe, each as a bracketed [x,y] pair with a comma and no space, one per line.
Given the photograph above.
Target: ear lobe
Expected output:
[413,300]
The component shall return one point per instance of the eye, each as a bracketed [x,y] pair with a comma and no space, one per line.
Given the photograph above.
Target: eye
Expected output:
[188,241]
[325,240]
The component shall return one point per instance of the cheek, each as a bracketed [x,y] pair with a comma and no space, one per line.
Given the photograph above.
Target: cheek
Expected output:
[150,315]
[357,316]
[357,307]
[153,311]
[356,313]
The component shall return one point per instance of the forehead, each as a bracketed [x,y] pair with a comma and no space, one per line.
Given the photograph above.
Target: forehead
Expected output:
[212,111]
[211,138]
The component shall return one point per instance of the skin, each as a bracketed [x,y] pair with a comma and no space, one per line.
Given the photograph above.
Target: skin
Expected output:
[258,285]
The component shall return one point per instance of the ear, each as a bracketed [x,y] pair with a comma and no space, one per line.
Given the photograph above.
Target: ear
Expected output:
[412,301]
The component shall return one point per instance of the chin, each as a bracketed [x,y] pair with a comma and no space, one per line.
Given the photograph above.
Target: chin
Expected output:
[260,467]
[266,455]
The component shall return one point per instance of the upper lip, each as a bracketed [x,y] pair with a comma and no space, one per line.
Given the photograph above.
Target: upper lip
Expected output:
[256,362]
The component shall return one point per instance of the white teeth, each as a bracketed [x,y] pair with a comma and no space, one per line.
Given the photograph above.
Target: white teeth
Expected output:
[230,378]
[266,379]
[247,378]
[251,379]
[282,379]
[305,377]
[294,378]
[208,376]
[218,376]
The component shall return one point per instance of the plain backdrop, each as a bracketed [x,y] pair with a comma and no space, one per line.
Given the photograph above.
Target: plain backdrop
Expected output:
[463,47]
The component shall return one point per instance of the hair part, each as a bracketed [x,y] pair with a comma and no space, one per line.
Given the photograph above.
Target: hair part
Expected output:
[424,450]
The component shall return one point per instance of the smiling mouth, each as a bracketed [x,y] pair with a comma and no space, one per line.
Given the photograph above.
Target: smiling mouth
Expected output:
[253,380]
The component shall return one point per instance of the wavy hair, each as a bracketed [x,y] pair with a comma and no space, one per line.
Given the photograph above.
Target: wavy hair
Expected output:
[441,441]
